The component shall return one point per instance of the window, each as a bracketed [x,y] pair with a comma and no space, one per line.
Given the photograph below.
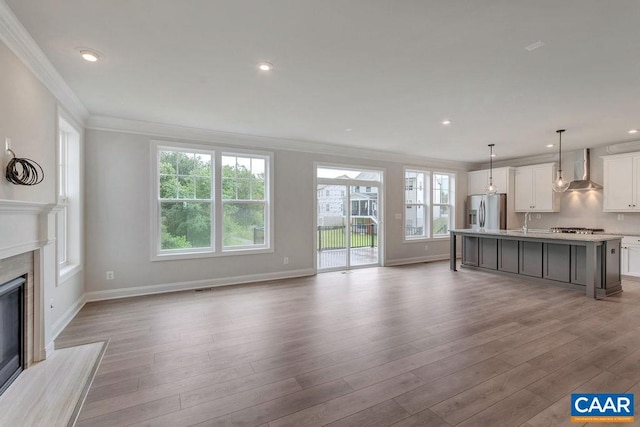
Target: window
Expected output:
[442,203]
[63,214]
[68,214]
[210,202]
[416,195]
[244,200]
[429,203]
[185,200]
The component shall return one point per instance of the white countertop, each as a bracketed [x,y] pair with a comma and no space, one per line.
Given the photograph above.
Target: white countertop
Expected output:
[541,234]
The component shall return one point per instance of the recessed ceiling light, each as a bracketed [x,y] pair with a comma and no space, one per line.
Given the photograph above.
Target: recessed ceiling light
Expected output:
[446,122]
[550,145]
[265,66]
[348,130]
[633,131]
[89,55]
[534,46]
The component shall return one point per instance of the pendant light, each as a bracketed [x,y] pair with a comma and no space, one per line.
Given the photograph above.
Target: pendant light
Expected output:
[491,189]
[560,185]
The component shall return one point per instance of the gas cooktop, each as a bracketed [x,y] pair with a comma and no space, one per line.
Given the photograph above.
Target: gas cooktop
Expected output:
[577,230]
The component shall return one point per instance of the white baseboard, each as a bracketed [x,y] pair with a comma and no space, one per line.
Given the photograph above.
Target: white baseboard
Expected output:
[194,284]
[416,260]
[48,350]
[64,320]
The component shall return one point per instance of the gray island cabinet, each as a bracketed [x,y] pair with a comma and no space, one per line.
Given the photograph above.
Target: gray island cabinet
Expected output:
[589,262]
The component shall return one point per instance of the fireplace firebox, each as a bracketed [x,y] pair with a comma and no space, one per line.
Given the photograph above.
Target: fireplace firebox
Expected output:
[11,331]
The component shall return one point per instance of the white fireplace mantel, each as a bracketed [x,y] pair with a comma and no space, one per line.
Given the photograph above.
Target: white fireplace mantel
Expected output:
[30,227]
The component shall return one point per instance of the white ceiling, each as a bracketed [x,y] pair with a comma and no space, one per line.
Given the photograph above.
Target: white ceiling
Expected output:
[390,70]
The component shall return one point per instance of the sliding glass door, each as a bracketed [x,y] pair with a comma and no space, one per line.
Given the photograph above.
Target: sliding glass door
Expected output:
[347,226]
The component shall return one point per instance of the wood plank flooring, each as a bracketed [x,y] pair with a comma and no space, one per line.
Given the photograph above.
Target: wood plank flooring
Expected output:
[416,345]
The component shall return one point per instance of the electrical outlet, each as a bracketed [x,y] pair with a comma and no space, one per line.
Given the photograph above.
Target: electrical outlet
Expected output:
[620,217]
[7,144]
[426,247]
[285,260]
[538,216]
[110,275]
[398,216]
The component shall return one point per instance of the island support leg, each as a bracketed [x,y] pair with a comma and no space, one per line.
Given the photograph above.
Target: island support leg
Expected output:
[592,262]
[452,250]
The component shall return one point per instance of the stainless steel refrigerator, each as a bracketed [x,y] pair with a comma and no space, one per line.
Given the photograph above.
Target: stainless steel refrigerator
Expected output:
[487,212]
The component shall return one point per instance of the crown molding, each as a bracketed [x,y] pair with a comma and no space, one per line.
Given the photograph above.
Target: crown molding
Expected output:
[522,161]
[624,147]
[17,38]
[160,130]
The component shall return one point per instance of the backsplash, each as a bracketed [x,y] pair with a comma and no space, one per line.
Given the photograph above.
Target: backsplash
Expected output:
[584,209]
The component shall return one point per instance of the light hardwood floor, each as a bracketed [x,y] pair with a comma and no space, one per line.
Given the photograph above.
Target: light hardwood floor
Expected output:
[408,346]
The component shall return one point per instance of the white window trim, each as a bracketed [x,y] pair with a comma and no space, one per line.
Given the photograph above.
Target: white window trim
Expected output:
[216,249]
[429,205]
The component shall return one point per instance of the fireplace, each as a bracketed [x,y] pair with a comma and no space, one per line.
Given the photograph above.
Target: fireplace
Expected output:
[11,331]
[27,250]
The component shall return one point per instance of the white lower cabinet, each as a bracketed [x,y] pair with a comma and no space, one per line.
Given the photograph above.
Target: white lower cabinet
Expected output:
[631,256]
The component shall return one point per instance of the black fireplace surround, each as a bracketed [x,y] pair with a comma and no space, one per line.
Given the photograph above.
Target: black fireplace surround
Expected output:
[11,331]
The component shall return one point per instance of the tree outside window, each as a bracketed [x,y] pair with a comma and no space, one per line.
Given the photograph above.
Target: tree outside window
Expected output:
[243,199]
[185,200]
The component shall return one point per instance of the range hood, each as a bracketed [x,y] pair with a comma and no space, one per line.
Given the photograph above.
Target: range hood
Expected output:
[581,172]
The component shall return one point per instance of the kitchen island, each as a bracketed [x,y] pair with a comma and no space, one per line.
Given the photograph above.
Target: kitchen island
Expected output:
[588,262]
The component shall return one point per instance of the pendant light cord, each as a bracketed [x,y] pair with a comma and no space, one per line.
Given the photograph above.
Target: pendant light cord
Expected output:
[491,165]
[560,152]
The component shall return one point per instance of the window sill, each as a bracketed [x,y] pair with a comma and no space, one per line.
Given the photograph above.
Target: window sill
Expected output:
[67,272]
[197,255]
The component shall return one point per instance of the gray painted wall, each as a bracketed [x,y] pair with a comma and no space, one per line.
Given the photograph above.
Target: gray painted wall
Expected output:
[28,115]
[118,187]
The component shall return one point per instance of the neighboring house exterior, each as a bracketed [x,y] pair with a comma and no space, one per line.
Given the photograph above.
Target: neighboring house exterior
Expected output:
[331,201]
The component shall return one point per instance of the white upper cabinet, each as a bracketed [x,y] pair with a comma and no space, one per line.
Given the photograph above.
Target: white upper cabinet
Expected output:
[533,189]
[621,183]
[478,180]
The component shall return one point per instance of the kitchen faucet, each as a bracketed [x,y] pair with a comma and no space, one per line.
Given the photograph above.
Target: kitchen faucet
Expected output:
[525,227]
